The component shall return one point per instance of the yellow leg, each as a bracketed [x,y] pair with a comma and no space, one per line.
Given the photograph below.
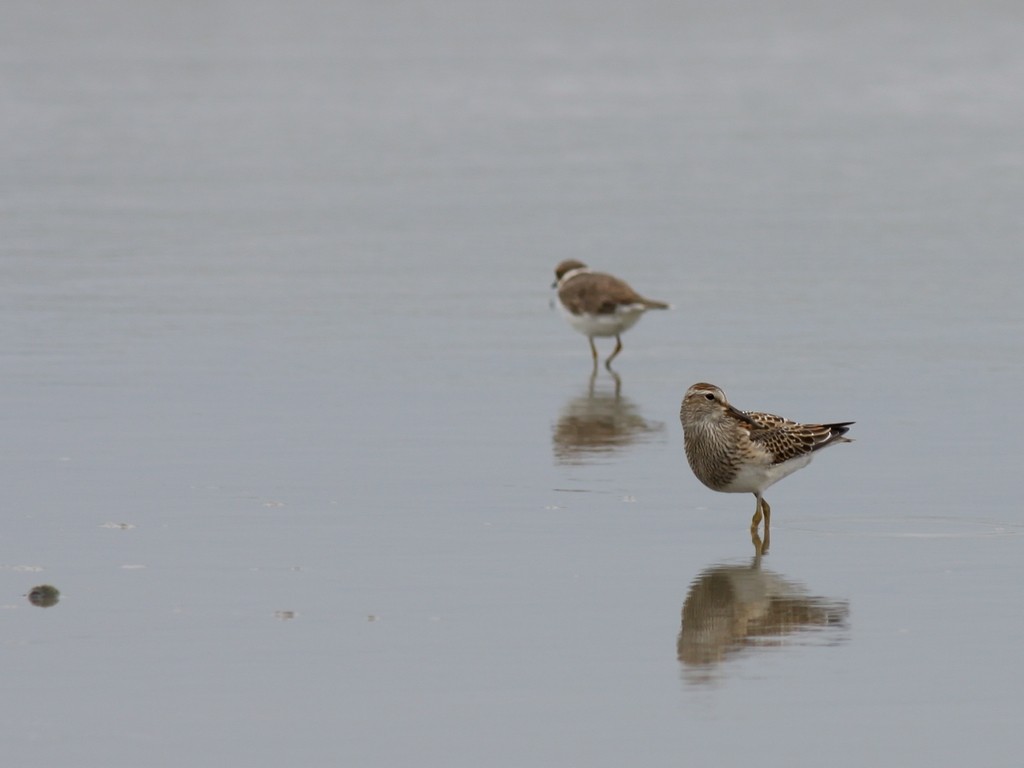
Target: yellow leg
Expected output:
[618,348]
[763,512]
[755,538]
[593,351]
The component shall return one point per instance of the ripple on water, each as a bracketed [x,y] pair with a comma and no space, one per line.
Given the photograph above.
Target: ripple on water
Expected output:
[918,527]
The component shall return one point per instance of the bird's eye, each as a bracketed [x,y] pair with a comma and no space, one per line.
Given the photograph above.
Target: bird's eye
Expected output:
[709,396]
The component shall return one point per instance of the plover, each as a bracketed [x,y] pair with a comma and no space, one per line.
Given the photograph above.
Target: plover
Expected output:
[597,304]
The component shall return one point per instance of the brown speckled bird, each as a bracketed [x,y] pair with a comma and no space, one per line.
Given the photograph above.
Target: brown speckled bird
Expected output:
[736,451]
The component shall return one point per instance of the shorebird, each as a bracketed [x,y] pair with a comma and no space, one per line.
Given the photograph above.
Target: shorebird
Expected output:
[596,304]
[736,451]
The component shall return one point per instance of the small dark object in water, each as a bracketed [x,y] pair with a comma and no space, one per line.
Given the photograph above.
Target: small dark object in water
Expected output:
[44,596]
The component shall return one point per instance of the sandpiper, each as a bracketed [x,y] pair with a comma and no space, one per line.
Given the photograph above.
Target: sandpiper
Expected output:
[736,451]
[596,304]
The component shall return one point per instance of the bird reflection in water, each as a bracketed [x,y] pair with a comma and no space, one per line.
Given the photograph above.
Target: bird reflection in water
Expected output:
[598,423]
[733,608]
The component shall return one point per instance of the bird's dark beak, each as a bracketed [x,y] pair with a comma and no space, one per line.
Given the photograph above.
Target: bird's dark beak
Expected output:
[554,284]
[741,416]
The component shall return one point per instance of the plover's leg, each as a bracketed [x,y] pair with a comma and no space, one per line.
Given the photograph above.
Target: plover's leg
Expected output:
[767,516]
[618,348]
[757,513]
[593,350]
[618,383]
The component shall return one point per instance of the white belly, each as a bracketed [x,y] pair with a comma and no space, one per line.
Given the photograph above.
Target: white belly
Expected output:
[611,324]
[753,478]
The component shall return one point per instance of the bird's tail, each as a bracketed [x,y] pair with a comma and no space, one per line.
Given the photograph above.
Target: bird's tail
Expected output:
[652,304]
[837,432]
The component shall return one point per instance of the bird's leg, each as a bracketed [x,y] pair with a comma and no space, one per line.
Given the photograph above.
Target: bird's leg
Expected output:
[757,514]
[618,383]
[755,539]
[767,511]
[593,351]
[618,348]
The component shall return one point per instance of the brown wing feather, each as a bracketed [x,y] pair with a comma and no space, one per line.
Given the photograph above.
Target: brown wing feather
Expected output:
[789,440]
[596,293]
[768,420]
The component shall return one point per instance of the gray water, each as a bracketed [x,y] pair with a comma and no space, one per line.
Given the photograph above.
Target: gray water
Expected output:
[322,477]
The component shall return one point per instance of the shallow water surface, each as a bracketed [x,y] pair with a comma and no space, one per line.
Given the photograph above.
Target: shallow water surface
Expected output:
[322,477]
